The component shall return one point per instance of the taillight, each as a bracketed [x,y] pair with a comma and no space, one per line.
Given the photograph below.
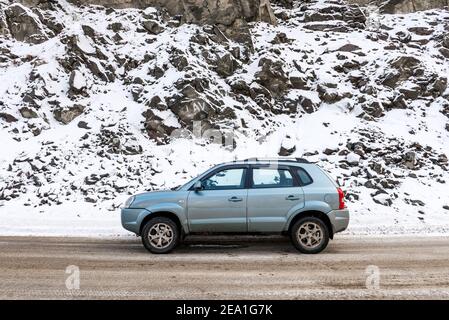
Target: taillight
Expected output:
[341,199]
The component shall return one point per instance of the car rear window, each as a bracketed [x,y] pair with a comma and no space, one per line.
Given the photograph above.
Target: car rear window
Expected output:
[304,177]
[272,178]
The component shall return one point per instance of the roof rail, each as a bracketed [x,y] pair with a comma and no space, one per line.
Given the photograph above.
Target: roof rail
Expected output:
[298,160]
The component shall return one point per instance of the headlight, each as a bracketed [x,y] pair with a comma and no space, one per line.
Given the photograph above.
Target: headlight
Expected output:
[129,202]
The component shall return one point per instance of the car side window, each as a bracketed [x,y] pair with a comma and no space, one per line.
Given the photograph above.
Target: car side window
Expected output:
[272,178]
[226,179]
[304,177]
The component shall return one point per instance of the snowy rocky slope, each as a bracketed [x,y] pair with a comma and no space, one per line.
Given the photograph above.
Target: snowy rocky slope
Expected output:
[90,99]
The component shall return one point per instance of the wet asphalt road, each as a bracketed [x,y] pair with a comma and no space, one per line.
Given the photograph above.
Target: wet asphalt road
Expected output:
[225,268]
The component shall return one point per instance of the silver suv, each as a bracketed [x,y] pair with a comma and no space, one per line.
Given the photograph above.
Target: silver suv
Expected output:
[281,196]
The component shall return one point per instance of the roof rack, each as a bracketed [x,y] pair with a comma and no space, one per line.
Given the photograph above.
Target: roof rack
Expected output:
[297,160]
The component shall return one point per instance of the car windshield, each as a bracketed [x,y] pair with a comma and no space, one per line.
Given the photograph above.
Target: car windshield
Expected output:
[194,178]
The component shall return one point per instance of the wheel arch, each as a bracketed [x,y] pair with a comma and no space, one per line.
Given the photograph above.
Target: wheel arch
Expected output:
[313,213]
[167,214]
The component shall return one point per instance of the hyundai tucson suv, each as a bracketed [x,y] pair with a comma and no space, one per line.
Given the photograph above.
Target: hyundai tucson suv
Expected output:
[254,196]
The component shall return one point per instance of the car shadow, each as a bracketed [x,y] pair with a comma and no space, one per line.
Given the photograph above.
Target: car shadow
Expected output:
[234,245]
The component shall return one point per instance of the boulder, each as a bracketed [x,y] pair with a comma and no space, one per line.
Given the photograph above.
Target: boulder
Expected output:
[24,25]
[308,105]
[28,113]
[409,6]
[272,76]
[409,159]
[348,48]
[403,68]
[226,65]
[7,117]
[288,147]
[152,26]
[199,11]
[67,115]
[383,199]
[77,82]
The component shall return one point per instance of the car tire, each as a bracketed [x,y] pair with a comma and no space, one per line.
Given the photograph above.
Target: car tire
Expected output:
[160,235]
[310,235]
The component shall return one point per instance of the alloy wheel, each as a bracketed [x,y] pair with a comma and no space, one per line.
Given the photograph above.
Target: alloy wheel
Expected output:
[310,235]
[161,235]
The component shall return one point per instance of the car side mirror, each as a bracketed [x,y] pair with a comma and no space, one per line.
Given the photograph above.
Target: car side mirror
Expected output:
[198,186]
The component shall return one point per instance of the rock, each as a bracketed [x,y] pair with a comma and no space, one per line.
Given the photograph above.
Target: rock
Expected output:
[77,82]
[281,38]
[404,37]
[24,24]
[411,92]
[83,125]
[83,45]
[444,52]
[152,26]
[67,115]
[156,128]
[409,159]
[329,151]
[446,207]
[417,203]
[7,117]
[353,158]
[326,27]
[329,95]
[438,87]
[288,147]
[404,68]
[226,12]
[299,82]
[97,70]
[399,102]
[308,105]
[374,109]
[421,31]
[408,6]
[226,65]
[239,32]
[115,26]
[383,199]
[348,48]
[179,61]
[239,86]
[445,41]
[51,22]
[28,113]
[272,76]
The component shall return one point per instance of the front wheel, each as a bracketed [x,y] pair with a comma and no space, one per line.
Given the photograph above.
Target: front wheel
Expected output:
[310,235]
[160,235]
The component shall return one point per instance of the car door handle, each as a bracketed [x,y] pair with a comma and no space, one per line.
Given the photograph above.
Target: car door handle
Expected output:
[292,197]
[235,199]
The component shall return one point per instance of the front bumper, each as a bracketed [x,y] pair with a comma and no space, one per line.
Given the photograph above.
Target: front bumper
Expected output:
[132,218]
[339,219]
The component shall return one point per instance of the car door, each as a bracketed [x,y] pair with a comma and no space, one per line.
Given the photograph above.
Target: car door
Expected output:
[274,192]
[221,204]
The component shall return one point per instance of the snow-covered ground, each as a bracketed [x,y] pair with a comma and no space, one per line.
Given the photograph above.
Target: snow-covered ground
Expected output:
[70,179]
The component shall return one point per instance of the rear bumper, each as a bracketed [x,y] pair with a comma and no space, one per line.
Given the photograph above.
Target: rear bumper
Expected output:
[339,219]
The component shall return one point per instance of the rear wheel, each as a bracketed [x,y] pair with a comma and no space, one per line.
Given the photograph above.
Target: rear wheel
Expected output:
[160,235]
[310,235]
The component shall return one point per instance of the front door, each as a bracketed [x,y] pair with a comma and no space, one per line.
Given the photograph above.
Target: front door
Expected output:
[221,205]
[273,194]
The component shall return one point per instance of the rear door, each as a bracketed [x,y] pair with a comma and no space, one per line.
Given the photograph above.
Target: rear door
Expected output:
[221,205]
[274,191]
